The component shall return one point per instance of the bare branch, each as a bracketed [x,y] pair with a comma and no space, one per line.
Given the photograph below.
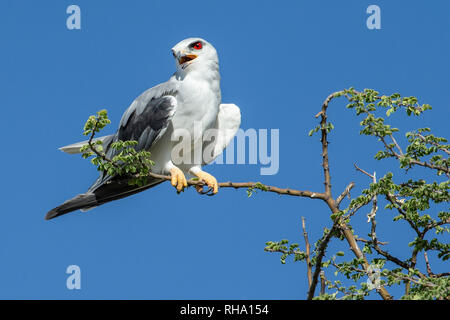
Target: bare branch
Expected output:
[345,193]
[371,241]
[391,258]
[323,128]
[396,144]
[250,184]
[363,171]
[322,282]
[308,253]
[430,273]
[319,257]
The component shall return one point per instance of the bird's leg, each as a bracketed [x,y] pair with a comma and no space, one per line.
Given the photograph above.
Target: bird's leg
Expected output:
[210,181]
[178,180]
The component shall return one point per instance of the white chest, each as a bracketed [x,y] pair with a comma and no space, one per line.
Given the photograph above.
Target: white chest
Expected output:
[198,105]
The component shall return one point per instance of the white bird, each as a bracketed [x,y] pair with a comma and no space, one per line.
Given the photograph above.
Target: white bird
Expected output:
[190,100]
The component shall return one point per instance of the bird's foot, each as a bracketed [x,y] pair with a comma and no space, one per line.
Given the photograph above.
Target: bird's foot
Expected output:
[178,180]
[210,181]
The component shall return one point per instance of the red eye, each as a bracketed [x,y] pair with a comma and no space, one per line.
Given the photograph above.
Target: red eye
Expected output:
[198,46]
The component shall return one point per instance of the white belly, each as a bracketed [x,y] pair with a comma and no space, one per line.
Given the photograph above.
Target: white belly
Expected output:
[197,110]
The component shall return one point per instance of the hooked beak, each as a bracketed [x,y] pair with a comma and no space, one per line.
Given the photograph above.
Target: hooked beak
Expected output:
[183,58]
[186,58]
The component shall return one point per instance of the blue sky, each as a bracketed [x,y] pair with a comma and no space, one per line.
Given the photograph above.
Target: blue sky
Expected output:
[279,60]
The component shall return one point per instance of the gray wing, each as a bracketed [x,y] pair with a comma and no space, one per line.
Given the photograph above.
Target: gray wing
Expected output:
[141,103]
[145,121]
[147,126]
[152,105]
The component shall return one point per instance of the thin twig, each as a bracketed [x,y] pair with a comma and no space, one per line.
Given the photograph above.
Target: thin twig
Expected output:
[371,241]
[324,141]
[363,171]
[398,205]
[319,257]
[396,144]
[413,161]
[308,253]
[371,216]
[345,193]
[440,147]
[322,282]
[430,273]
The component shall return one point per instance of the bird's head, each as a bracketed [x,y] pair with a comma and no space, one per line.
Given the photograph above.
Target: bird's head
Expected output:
[194,53]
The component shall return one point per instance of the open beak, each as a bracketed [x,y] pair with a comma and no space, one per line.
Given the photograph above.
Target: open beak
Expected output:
[186,58]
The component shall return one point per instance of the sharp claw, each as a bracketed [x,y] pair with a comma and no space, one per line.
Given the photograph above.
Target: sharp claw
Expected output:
[210,192]
[210,181]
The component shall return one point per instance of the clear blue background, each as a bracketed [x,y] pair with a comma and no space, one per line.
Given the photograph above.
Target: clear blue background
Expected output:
[279,60]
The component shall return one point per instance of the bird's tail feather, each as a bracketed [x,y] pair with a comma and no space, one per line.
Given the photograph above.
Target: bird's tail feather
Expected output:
[75,148]
[107,192]
[80,201]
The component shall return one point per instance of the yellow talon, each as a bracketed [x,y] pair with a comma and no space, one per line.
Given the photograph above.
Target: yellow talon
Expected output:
[209,180]
[178,180]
